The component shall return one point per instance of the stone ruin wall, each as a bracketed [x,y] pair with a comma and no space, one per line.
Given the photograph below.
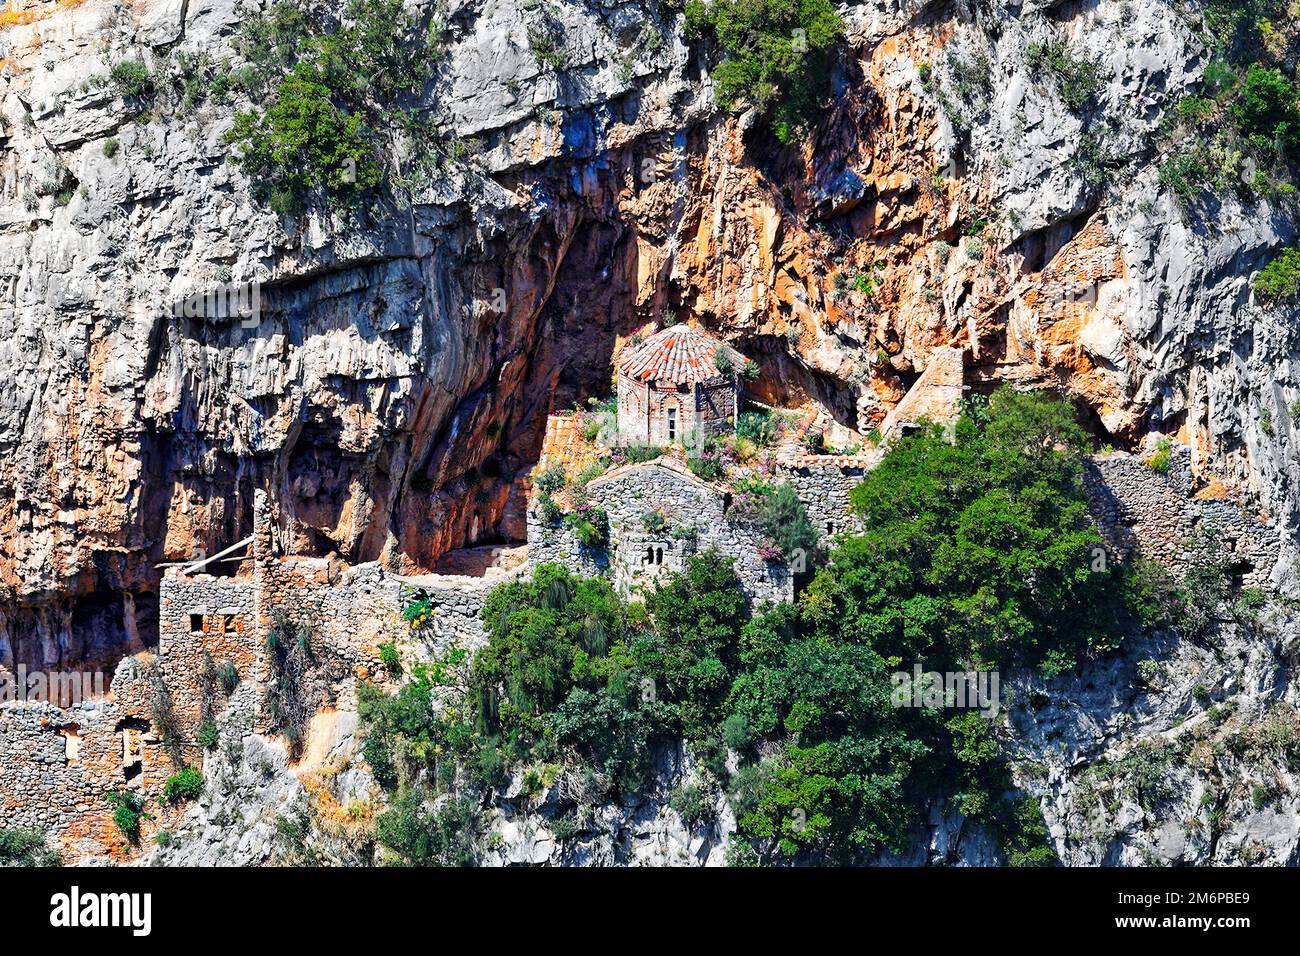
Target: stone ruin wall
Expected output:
[57,765]
[824,488]
[1136,506]
[556,544]
[626,495]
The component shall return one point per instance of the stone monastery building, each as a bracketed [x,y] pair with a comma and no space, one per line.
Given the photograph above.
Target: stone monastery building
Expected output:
[677,382]
[58,763]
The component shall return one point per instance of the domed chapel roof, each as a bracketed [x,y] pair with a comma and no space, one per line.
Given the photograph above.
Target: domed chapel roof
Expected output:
[678,354]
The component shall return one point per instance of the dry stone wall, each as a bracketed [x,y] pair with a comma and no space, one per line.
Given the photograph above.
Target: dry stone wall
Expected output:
[694,514]
[1138,506]
[824,490]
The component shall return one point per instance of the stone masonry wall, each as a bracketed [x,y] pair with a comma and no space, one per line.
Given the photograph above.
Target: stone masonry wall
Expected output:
[636,557]
[58,765]
[206,621]
[457,609]
[1136,506]
[824,490]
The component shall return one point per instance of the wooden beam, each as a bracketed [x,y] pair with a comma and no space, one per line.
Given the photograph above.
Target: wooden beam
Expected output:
[191,567]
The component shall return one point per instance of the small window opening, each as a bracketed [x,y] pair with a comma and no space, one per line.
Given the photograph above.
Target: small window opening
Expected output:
[196,623]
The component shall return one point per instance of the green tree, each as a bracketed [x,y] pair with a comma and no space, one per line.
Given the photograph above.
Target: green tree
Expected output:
[1267,112]
[777,52]
[1279,281]
[304,142]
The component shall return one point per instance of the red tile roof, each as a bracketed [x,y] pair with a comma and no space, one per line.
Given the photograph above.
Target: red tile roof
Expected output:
[675,355]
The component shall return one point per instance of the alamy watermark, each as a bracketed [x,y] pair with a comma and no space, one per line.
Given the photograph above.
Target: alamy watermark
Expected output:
[958,690]
[61,688]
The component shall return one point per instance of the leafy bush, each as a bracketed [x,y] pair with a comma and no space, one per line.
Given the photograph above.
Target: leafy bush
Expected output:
[776,512]
[1185,174]
[551,513]
[544,43]
[589,524]
[693,803]
[390,659]
[187,784]
[551,480]
[331,89]
[444,836]
[636,454]
[762,428]
[1279,281]
[128,812]
[1025,837]
[1267,112]
[956,554]
[655,523]
[110,147]
[26,848]
[418,612]
[710,464]
[131,79]
[1076,78]
[209,735]
[776,52]
[1159,461]
[303,142]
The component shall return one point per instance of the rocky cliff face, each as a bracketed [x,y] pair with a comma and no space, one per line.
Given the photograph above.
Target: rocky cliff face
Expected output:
[394,384]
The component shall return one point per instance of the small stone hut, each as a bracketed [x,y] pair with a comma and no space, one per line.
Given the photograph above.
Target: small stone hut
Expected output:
[678,381]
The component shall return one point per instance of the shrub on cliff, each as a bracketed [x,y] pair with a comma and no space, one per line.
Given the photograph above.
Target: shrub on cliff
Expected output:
[1076,76]
[1267,112]
[329,93]
[128,813]
[187,784]
[444,835]
[20,847]
[303,142]
[131,79]
[777,54]
[1279,281]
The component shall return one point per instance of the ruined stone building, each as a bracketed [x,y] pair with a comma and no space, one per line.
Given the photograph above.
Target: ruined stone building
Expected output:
[659,515]
[679,381]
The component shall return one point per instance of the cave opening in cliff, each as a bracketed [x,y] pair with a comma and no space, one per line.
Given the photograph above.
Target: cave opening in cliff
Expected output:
[1092,424]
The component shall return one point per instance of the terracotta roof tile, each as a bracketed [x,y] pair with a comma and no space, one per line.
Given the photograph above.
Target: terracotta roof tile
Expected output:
[675,355]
